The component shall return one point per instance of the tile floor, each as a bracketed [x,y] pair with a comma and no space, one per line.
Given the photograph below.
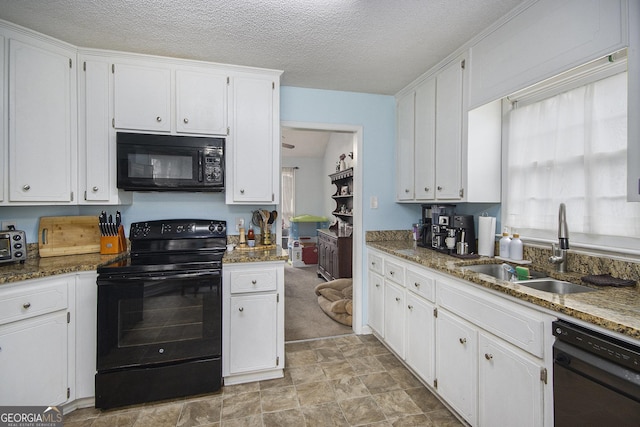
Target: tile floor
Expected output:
[342,381]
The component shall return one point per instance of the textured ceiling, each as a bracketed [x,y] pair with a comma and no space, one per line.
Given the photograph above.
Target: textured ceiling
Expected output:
[374,46]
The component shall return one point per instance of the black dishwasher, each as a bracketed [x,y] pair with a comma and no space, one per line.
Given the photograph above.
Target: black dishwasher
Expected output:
[596,378]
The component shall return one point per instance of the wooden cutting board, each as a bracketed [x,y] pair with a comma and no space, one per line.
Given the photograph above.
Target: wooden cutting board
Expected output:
[68,235]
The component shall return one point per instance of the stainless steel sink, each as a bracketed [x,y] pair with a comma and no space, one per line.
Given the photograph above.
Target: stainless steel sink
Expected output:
[554,286]
[499,272]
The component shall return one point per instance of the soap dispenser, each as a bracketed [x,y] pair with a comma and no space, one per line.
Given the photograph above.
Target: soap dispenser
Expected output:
[515,248]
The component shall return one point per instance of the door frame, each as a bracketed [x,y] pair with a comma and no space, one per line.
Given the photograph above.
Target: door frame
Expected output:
[358,233]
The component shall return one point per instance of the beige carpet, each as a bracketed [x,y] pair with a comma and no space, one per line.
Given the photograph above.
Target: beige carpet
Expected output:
[303,318]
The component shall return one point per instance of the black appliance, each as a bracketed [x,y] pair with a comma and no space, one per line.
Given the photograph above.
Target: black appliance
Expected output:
[159,323]
[465,233]
[596,378]
[169,163]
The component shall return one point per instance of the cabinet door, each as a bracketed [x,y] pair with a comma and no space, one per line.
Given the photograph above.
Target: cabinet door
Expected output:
[201,102]
[85,320]
[142,98]
[252,135]
[449,131]
[41,141]
[253,333]
[3,142]
[404,148]
[425,139]
[456,364]
[33,360]
[394,303]
[420,349]
[376,303]
[511,392]
[97,141]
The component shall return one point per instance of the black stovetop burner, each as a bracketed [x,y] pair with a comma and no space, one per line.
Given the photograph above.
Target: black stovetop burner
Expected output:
[174,245]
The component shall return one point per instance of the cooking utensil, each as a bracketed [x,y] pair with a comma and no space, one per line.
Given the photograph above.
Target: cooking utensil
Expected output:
[274,215]
[256,219]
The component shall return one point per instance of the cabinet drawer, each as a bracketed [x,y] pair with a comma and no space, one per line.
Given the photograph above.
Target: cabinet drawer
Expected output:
[32,298]
[420,284]
[394,272]
[509,321]
[253,281]
[375,263]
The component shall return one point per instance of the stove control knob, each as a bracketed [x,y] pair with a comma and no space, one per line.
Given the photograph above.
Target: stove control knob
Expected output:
[179,228]
[220,228]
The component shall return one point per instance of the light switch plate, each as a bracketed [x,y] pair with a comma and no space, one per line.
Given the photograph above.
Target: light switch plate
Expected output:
[373,202]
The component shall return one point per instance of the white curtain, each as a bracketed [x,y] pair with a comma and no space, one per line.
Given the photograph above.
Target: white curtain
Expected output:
[288,202]
[572,148]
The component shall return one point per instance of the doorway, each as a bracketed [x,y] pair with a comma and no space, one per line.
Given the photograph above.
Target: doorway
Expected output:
[318,147]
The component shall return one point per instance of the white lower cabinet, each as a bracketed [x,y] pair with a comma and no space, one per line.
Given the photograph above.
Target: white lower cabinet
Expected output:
[485,355]
[85,322]
[456,364]
[510,386]
[252,322]
[34,342]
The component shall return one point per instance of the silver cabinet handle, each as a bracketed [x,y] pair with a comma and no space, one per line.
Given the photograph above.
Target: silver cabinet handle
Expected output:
[26,305]
[397,299]
[254,281]
[158,119]
[95,188]
[410,307]
[439,188]
[406,190]
[26,187]
[241,309]
[463,340]
[416,284]
[242,191]
[427,189]
[185,120]
[377,285]
[488,356]
[392,273]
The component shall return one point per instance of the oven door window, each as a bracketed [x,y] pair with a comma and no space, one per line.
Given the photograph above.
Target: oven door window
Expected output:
[143,321]
[5,247]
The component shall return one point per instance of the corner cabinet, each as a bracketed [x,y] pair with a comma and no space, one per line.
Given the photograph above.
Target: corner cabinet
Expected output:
[34,342]
[335,254]
[343,196]
[253,322]
[42,125]
[253,145]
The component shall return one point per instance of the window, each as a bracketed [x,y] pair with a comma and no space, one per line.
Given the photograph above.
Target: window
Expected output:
[288,202]
[567,143]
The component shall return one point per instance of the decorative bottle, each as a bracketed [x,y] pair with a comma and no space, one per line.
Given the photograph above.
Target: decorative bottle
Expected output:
[515,248]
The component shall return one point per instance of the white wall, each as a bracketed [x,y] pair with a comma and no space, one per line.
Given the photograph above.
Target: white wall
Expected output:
[309,184]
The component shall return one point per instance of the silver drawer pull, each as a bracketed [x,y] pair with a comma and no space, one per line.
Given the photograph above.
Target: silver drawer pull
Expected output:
[254,281]
[488,356]
[410,307]
[26,305]
[241,309]
[463,340]
[185,120]
[158,119]
[416,284]
[397,299]
[26,187]
[392,273]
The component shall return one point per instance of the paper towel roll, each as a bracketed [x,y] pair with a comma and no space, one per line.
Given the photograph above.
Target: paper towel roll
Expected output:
[486,235]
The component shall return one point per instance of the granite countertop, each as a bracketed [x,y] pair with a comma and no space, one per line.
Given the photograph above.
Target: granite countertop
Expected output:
[615,309]
[36,267]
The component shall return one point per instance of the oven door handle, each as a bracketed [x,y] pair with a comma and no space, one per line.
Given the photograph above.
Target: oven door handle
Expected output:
[163,276]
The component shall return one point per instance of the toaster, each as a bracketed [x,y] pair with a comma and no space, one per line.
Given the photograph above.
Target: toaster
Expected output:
[13,246]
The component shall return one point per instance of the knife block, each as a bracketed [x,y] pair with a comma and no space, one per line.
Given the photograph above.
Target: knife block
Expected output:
[110,245]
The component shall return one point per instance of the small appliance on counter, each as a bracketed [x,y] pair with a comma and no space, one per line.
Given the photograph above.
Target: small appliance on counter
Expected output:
[445,231]
[13,246]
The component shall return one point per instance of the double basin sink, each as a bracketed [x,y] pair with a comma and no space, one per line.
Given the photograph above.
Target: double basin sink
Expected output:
[537,280]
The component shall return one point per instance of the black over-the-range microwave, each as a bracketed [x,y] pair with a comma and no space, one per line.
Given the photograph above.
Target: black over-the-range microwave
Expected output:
[149,162]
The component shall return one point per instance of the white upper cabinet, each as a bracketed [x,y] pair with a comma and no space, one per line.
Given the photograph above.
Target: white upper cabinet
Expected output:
[253,146]
[170,98]
[42,111]
[142,98]
[543,40]
[4,164]
[405,148]
[201,102]
[431,125]
[96,137]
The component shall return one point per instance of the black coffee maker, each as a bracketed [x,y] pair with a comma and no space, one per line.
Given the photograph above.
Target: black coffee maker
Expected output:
[465,232]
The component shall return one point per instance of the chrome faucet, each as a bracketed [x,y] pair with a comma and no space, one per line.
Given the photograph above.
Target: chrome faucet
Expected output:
[559,250]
